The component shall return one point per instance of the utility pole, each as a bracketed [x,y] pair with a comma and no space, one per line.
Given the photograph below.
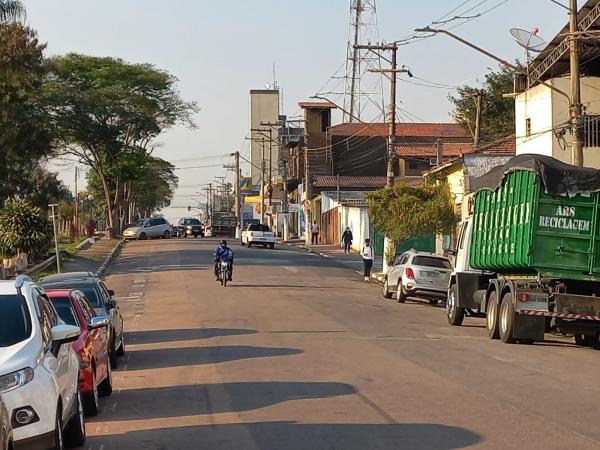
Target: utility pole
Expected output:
[262,189]
[210,201]
[576,107]
[53,206]
[306,206]
[478,112]
[238,197]
[76,218]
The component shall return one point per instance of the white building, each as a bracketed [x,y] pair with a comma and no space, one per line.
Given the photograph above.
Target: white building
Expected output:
[264,109]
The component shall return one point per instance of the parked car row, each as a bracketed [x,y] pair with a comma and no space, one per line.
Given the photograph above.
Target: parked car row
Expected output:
[59,340]
[160,228]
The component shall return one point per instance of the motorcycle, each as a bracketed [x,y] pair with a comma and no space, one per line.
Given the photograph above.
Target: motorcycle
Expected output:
[224,272]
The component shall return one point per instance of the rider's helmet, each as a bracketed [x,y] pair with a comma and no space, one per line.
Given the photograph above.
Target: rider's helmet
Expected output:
[223,243]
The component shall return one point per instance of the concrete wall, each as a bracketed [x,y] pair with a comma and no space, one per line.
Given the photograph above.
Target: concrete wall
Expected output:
[547,109]
[264,108]
[358,221]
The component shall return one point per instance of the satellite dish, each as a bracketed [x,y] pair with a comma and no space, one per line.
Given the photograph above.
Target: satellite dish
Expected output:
[529,40]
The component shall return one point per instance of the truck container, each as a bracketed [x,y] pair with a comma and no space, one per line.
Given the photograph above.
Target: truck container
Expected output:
[528,258]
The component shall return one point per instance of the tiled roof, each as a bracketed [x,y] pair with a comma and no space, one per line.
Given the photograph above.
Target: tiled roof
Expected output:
[317,105]
[506,146]
[449,150]
[330,181]
[435,130]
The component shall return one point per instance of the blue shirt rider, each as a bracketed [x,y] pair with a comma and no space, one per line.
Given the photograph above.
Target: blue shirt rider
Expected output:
[223,253]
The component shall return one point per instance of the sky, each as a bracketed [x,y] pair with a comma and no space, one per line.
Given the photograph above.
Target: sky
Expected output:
[221,49]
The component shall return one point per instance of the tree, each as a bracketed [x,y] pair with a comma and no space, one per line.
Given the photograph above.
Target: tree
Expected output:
[11,11]
[106,110]
[23,228]
[498,112]
[404,212]
[24,135]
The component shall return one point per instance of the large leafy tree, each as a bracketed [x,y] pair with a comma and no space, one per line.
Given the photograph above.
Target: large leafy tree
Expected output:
[404,212]
[107,110]
[11,11]
[23,228]
[25,138]
[498,112]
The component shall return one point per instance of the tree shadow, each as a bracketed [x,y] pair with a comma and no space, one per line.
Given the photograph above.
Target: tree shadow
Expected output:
[202,399]
[187,334]
[192,356]
[296,436]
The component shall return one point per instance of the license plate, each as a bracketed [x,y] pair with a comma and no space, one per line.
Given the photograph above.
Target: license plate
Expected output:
[224,264]
[431,274]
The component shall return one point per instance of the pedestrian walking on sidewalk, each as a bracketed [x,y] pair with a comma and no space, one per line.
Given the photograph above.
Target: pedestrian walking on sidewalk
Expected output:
[347,240]
[315,233]
[367,257]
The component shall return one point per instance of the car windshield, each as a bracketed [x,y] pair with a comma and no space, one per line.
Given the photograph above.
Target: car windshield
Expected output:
[139,223]
[191,222]
[15,322]
[430,261]
[64,307]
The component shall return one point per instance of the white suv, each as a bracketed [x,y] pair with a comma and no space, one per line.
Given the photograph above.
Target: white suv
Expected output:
[38,369]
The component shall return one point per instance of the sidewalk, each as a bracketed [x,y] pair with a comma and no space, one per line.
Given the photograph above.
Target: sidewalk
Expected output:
[335,252]
[90,259]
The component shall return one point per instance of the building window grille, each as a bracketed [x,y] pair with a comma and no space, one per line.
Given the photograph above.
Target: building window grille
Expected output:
[591,130]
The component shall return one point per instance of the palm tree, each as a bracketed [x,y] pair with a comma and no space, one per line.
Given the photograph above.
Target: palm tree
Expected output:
[11,11]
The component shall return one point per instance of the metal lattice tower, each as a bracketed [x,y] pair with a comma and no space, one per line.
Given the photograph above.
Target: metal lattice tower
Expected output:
[363,90]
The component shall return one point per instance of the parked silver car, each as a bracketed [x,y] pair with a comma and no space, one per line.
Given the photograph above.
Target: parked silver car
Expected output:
[418,274]
[156,227]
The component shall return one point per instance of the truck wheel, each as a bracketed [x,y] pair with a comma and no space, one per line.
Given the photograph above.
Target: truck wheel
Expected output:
[454,313]
[492,316]
[583,340]
[400,294]
[271,246]
[507,319]
[433,301]
[386,289]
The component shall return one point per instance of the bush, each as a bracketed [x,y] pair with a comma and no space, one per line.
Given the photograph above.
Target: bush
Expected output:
[24,228]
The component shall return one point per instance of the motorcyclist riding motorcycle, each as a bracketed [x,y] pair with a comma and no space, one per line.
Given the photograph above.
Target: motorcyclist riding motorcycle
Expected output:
[223,253]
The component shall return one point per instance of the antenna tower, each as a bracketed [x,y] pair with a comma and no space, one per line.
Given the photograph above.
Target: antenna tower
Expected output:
[362,88]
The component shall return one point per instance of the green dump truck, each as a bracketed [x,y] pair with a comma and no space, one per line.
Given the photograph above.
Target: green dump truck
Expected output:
[528,257]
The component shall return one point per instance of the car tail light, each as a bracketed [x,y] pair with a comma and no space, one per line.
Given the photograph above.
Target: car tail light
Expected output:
[522,297]
[409,273]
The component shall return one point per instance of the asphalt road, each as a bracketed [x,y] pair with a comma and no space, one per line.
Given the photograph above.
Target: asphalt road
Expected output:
[298,353]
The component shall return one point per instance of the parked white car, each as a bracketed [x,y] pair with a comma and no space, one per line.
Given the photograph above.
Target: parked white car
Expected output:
[418,274]
[258,234]
[39,371]
[156,227]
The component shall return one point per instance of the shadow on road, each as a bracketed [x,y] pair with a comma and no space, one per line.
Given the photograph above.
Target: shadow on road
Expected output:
[295,436]
[175,335]
[191,356]
[180,401]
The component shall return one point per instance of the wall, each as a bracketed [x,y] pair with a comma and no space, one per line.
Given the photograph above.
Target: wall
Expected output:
[264,108]
[358,221]
[547,109]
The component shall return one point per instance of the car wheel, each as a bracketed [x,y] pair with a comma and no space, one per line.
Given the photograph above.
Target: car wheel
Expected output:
[492,316]
[264,245]
[106,388]
[75,431]
[271,246]
[400,294]
[195,236]
[454,313]
[249,244]
[58,440]
[507,319]
[91,402]
[242,243]
[167,235]
[121,349]
[433,301]
[143,236]
[112,353]
[386,289]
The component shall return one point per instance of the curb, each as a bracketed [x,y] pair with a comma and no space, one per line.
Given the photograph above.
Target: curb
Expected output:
[113,255]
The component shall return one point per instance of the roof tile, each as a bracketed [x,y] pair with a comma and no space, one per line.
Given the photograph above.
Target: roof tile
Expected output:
[330,181]
[436,130]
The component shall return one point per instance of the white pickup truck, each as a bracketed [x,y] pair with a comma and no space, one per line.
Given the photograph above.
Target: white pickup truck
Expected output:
[258,234]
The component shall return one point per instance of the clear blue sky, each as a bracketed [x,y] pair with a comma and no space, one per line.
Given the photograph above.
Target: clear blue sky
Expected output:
[221,49]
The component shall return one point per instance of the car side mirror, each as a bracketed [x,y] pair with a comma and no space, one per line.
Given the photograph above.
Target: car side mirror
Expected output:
[63,334]
[98,322]
[111,292]
[112,304]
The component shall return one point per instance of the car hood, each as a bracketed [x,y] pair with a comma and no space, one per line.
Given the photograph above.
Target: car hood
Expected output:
[132,230]
[18,356]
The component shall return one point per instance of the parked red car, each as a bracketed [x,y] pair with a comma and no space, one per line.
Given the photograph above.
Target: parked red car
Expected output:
[95,375]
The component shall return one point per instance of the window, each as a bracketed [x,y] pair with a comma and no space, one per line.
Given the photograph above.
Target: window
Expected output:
[190,222]
[65,310]
[87,308]
[528,127]
[159,221]
[45,319]
[461,239]
[430,261]
[591,130]
[15,321]
[325,120]
[259,227]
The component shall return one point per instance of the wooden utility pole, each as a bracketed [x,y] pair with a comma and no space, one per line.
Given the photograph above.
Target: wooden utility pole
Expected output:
[576,107]
[238,197]
[478,112]
[76,218]
[392,73]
